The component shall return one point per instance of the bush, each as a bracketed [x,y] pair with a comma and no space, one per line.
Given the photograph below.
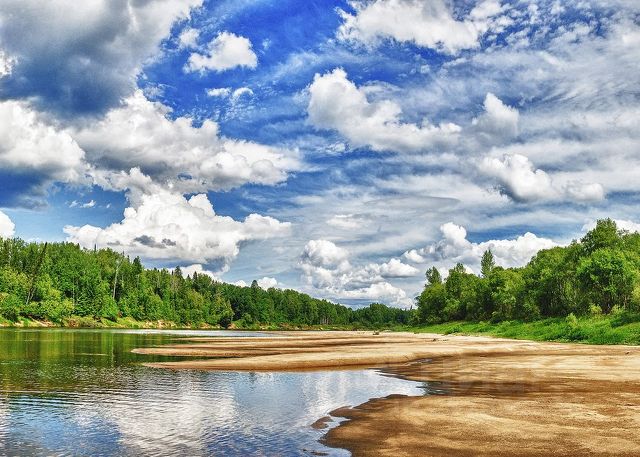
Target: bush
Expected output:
[574,332]
[595,310]
[10,307]
[625,318]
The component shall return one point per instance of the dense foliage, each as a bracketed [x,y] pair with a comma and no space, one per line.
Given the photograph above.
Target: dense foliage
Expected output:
[56,281]
[600,274]
[597,275]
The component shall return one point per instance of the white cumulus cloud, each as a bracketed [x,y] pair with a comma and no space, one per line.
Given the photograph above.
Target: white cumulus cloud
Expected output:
[188,38]
[338,104]
[33,153]
[429,24]
[267,282]
[517,178]
[166,225]
[140,134]
[454,247]
[498,120]
[224,52]
[327,268]
[7,227]
[82,57]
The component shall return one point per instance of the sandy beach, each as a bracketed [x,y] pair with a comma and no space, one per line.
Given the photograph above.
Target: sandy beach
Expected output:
[490,397]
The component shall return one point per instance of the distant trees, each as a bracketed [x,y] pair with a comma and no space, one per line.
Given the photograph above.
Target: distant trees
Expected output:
[600,272]
[65,280]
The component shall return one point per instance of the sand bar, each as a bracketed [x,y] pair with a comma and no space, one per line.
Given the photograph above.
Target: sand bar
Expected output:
[489,397]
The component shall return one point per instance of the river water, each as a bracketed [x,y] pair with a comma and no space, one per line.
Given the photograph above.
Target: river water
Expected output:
[82,392]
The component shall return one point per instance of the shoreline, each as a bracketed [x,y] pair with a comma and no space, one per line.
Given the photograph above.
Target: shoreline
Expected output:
[560,402]
[486,396]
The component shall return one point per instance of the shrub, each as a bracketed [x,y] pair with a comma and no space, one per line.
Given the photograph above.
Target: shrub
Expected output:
[10,307]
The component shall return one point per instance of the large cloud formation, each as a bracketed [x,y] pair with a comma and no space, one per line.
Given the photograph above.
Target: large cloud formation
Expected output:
[454,247]
[33,155]
[328,269]
[82,57]
[224,52]
[428,24]
[140,134]
[166,225]
[517,178]
[338,104]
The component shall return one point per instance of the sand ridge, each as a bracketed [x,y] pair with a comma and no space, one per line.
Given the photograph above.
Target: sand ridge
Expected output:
[319,350]
[488,397]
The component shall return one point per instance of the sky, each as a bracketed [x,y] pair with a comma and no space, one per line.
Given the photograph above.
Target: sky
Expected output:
[337,148]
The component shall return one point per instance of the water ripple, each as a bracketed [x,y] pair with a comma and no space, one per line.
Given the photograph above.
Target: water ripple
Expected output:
[84,393]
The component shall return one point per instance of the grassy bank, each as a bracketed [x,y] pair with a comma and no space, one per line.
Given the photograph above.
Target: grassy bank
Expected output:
[87,322]
[618,329]
[129,323]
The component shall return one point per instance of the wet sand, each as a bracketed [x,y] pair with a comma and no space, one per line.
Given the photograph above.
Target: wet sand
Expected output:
[319,350]
[490,397]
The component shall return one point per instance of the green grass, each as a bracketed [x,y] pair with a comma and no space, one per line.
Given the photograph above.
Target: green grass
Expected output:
[619,329]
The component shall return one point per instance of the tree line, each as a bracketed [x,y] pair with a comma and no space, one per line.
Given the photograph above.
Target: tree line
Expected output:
[57,281]
[599,274]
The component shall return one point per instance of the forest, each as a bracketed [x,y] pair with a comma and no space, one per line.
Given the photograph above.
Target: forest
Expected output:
[64,284]
[596,276]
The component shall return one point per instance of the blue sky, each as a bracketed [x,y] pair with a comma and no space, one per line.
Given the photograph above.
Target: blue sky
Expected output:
[338,148]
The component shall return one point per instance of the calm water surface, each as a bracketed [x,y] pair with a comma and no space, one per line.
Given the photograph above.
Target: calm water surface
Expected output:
[82,392]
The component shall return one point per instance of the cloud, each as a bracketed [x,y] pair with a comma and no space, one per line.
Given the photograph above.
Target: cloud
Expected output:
[188,38]
[33,155]
[349,221]
[394,268]
[167,226]
[267,282]
[517,178]
[454,247]
[623,224]
[427,24]
[498,121]
[197,268]
[222,92]
[6,64]
[242,91]
[337,104]
[193,159]
[7,227]
[327,268]
[325,254]
[82,57]
[224,52]
[76,203]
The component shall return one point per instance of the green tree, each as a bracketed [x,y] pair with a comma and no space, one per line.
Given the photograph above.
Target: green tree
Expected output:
[607,278]
[433,276]
[487,263]
[604,235]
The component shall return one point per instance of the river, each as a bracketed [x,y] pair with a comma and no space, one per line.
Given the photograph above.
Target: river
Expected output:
[82,392]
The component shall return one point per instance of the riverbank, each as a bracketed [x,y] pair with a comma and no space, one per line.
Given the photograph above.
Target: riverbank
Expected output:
[578,401]
[130,323]
[90,322]
[622,328]
[491,397]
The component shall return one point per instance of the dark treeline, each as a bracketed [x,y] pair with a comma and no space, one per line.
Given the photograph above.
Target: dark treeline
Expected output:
[600,274]
[59,280]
